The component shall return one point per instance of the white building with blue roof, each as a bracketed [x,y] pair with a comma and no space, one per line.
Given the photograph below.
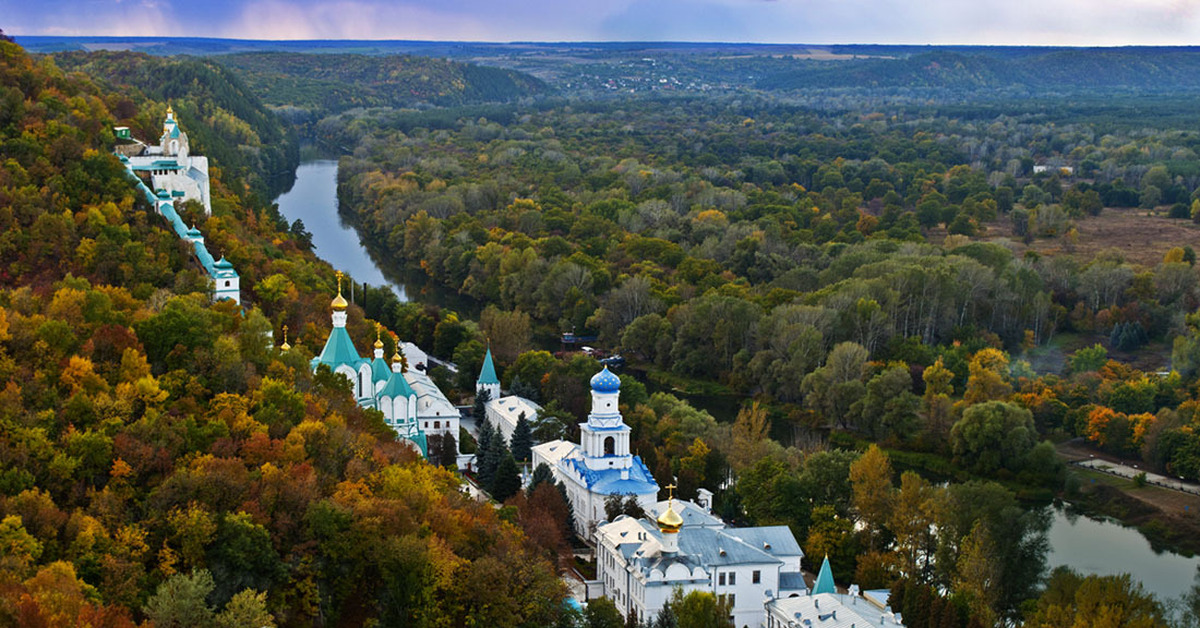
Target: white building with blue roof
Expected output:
[601,464]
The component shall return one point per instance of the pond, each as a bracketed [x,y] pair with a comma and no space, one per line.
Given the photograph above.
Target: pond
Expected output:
[313,199]
[1102,547]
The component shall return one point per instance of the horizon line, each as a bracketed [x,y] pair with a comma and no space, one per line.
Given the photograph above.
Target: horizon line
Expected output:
[115,38]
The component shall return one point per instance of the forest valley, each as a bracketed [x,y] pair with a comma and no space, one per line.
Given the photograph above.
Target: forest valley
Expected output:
[904,370]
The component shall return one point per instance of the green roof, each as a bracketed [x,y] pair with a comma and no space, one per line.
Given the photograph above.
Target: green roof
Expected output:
[397,387]
[824,583]
[487,375]
[339,349]
[380,370]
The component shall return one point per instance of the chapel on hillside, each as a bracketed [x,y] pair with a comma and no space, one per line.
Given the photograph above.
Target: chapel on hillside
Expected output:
[410,401]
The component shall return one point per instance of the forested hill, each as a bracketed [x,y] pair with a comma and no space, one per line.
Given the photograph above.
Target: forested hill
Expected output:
[160,458]
[223,118]
[328,83]
[1122,69]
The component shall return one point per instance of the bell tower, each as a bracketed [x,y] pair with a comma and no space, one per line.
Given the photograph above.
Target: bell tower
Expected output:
[605,437]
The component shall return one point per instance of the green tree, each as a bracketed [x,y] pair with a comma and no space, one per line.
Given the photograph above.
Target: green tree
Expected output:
[508,479]
[180,602]
[522,440]
[993,435]
[602,613]
[700,609]
[247,609]
[1088,359]
[1071,600]
[889,408]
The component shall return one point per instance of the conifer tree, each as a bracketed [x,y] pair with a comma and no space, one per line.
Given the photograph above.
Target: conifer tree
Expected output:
[479,410]
[490,458]
[508,479]
[448,451]
[522,440]
[541,473]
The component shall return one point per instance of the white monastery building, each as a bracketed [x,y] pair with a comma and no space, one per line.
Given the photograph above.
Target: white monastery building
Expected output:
[601,465]
[641,562]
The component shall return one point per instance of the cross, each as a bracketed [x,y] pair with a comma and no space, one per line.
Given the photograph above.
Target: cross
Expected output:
[285,333]
[339,278]
[670,491]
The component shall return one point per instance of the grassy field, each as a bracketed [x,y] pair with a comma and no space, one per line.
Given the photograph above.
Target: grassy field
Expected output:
[1135,235]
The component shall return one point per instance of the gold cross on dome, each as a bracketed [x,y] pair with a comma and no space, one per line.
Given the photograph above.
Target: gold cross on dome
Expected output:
[339,278]
[670,491]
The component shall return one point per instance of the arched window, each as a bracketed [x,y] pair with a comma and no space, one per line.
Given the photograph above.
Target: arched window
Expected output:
[437,425]
[610,446]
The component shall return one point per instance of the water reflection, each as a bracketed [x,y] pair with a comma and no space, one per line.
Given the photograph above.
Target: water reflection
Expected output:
[1095,546]
[313,199]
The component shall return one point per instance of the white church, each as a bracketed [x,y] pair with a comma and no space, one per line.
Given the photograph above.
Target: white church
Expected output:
[177,175]
[410,401]
[170,164]
[601,465]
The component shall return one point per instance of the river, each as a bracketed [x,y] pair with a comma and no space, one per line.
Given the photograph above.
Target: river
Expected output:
[313,199]
[1096,546]
[1090,546]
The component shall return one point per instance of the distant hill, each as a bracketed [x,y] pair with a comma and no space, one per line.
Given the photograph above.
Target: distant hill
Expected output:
[329,83]
[224,118]
[1142,69]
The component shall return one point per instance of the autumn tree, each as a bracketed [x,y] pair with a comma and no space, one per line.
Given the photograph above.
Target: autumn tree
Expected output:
[871,481]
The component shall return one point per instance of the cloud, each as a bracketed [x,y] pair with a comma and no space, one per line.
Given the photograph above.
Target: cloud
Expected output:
[1046,22]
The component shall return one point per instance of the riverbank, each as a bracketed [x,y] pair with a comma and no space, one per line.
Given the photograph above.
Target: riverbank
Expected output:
[1168,518]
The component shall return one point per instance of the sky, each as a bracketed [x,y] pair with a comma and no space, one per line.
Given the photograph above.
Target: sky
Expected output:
[1019,22]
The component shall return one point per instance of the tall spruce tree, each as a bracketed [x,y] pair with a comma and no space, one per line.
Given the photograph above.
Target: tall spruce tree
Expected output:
[479,410]
[507,480]
[490,459]
[522,440]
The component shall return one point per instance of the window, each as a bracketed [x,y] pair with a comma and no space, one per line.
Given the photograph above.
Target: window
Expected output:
[756,576]
[610,446]
[732,578]
[437,425]
[721,579]
[227,284]
[732,603]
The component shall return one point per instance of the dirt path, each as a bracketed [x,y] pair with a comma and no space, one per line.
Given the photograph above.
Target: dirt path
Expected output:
[1166,500]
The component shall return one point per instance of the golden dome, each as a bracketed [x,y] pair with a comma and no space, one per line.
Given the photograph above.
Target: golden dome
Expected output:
[396,359]
[339,302]
[285,346]
[378,340]
[670,522]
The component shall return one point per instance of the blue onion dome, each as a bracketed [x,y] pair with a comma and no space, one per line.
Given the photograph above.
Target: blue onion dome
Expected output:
[606,382]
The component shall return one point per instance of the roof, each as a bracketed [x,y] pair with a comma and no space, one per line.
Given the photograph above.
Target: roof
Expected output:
[339,349]
[692,514]
[828,610]
[774,540]
[431,401]
[605,381]
[510,408]
[610,482]
[397,386]
[487,374]
[554,451]
[380,370]
[824,583]
[792,581]
[720,548]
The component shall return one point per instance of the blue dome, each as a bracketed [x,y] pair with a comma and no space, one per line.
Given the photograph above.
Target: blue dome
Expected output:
[606,382]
